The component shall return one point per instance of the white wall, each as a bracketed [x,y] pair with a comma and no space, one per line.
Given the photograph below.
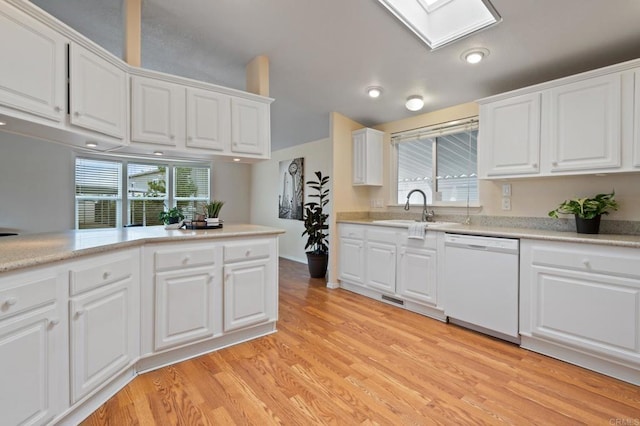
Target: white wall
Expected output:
[265,184]
[37,187]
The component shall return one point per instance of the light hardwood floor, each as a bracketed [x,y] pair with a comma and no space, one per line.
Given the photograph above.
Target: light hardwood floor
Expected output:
[339,358]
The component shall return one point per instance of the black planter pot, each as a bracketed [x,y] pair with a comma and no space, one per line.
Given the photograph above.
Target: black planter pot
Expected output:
[317,264]
[588,226]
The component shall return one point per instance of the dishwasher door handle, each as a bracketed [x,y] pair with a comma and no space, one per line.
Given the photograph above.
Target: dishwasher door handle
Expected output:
[477,247]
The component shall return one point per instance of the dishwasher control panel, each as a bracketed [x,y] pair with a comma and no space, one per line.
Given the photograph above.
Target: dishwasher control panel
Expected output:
[482,243]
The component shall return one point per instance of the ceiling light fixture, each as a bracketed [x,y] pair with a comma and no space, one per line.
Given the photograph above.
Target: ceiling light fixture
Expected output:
[158,153]
[91,144]
[414,103]
[374,91]
[475,55]
[236,160]
[2,123]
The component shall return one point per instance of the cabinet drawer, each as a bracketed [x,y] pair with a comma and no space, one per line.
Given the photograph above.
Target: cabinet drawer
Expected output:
[246,251]
[94,276]
[173,259]
[615,261]
[352,231]
[381,235]
[27,296]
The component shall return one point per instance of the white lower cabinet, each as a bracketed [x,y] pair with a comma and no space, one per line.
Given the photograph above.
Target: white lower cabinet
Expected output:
[383,263]
[33,347]
[351,252]
[186,285]
[103,318]
[250,283]
[581,303]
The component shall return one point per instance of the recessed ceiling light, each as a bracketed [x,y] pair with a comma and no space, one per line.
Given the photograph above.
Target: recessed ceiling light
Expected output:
[91,144]
[374,91]
[414,103]
[158,153]
[236,159]
[475,55]
[3,123]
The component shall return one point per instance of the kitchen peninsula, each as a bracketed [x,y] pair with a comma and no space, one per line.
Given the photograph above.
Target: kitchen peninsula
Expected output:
[83,312]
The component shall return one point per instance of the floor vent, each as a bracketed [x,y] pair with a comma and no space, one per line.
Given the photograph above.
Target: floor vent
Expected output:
[393,299]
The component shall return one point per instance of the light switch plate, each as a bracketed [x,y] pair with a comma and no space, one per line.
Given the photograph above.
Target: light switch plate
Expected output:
[506,190]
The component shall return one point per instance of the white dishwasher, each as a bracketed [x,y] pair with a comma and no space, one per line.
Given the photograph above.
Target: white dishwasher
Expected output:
[481,277]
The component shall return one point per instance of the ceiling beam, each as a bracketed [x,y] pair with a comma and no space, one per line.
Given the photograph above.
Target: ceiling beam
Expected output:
[258,75]
[132,32]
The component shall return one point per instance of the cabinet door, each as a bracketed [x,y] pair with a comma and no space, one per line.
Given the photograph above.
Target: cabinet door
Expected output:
[585,124]
[184,306]
[417,275]
[29,388]
[208,120]
[33,77]
[103,336]
[367,157]
[98,93]
[636,121]
[157,111]
[510,137]
[381,266]
[249,289]
[352,260]
[250,127]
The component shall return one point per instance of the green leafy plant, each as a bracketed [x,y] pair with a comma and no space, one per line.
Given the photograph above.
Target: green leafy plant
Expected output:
[212,209]
[587,208]
[173,215]
[315,220]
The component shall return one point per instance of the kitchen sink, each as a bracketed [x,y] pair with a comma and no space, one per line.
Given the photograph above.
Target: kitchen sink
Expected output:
[404,223]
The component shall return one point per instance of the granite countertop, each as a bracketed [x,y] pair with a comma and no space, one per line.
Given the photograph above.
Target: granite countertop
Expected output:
[536,234]
[23,251]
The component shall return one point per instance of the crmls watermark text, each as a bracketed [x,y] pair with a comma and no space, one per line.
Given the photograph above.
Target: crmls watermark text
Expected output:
[625,422]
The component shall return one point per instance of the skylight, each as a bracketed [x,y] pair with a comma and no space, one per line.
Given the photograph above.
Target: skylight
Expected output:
[439,22]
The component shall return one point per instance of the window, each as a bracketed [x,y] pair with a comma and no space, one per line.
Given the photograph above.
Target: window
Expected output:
[98,193]
[109,190]
[440,161]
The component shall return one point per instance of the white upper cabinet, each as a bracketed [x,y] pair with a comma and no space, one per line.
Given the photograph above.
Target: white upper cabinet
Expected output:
[33,77]
[510,136]
[157,111]
[367,157]
[98,93]
[208,119]
[585,124]
[250,127]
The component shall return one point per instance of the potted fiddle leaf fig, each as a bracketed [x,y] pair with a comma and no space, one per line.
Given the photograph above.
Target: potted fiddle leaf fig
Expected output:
[315,227]
[587,211]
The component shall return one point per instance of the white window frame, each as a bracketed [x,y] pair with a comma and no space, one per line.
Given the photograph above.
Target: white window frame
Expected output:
[123,205]
[441,129]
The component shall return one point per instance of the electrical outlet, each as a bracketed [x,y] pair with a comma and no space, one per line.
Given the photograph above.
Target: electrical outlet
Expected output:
[506,190]
[506,203]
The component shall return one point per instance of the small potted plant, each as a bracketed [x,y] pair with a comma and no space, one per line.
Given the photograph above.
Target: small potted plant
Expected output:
[212,209]
[315,225]
[171,216]
[587,211]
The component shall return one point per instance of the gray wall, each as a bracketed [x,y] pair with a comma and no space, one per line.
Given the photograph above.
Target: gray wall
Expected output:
[37,189]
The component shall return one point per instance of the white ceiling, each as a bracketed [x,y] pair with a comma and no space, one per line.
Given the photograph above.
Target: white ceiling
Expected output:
[324,53]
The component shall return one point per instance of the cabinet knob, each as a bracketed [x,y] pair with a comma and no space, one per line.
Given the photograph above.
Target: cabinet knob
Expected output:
[77,113]
[54,322]
[235,144]
[534,165]
[586,263]
[57,108]
[172,137]
[11,301]
[211,277]
[185,260]
[190,138]
[554,163]
[106,275]
[80,312]
[248,253]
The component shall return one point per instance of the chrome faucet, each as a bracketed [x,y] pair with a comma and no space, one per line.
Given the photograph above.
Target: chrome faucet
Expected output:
[427,216]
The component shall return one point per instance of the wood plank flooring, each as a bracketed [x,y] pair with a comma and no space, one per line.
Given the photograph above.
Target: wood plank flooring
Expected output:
[342,359]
